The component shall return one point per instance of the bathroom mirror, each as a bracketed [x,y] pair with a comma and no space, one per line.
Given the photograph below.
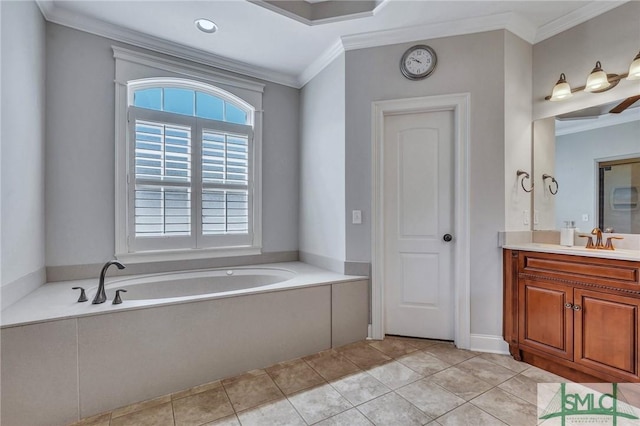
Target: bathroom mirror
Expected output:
[591,163]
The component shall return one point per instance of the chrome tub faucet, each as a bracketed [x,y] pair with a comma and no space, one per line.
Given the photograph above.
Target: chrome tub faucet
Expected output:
[101,296]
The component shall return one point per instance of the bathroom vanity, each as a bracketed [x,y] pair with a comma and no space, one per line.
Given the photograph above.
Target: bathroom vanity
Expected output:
[574,312]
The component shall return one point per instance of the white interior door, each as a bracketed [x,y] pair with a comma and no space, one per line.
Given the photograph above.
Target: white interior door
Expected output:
[418,212]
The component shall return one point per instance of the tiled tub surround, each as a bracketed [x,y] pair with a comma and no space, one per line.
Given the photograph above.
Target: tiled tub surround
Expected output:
[59,366]
[397,381]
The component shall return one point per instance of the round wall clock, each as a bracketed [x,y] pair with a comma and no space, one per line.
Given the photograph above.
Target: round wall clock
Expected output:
[418,62]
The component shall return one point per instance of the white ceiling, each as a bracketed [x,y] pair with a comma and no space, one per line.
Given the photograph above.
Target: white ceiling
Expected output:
[261,43]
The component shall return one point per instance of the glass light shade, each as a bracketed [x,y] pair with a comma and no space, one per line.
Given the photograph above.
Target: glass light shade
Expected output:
[634,69]
[561,90]
[597,80]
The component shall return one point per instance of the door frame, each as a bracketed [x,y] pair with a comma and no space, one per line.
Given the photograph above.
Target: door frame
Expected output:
[459,104]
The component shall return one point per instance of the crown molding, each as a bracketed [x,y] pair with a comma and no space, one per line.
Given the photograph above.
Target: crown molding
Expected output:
[95,26]
[441,29]
[576,17]
[321,63]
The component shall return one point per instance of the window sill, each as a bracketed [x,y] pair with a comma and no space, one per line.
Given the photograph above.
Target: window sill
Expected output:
[187,254]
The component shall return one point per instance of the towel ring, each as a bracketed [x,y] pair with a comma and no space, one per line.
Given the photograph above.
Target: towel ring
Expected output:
[524,175]
[553,180]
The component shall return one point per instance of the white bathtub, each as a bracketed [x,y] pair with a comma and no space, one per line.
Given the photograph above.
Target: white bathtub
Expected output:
[197,283]
[173,331]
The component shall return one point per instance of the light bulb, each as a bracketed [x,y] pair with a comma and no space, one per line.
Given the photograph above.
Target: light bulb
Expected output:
[561,90]
[597,80]
[634,68]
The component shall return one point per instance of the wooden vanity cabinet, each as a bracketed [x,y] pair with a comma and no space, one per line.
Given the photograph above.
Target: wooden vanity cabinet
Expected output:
[576,316]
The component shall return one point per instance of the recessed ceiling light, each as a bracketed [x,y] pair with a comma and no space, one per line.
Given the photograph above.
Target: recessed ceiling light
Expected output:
[206,25]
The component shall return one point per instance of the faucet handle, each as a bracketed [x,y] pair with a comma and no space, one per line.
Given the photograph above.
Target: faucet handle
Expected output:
[609,244]
[118,300]
[590,244]
[83,295]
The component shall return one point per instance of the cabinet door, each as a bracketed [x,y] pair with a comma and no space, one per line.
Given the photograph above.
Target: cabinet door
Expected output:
[606,332]
[545,317]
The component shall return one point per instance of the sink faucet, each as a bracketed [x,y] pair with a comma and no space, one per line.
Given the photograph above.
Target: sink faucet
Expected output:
[598,233]
[101,295]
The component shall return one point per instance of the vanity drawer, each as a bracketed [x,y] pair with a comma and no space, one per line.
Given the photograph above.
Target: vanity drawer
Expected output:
[607,272]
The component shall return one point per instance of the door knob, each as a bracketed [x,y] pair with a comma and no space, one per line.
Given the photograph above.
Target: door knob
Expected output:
[447,237]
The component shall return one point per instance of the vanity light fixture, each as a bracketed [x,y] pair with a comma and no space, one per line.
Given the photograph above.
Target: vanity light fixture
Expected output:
[206,25]
[598,81]
[634,69]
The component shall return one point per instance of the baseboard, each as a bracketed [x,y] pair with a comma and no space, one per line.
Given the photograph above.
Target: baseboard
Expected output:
[488,343]
[16,290]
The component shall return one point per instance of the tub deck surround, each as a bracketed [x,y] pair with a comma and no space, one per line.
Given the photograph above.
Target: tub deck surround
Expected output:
[55,301]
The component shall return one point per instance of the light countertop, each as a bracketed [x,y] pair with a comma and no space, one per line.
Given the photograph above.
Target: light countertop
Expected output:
[622,254]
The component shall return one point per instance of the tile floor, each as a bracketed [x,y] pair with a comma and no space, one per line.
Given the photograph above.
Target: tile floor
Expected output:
[397,381]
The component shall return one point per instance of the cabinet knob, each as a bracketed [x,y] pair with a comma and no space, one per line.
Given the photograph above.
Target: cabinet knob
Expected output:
[576,307]
[568,305]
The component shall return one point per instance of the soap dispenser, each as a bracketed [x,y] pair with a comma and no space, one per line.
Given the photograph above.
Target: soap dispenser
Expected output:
[567,233]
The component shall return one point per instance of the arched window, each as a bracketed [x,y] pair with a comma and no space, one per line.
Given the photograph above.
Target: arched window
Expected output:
[190,170]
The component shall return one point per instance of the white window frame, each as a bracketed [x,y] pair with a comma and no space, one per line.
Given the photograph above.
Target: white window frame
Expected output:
[134,71]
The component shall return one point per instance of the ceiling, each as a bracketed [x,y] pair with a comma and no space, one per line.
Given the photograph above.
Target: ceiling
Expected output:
[255,40]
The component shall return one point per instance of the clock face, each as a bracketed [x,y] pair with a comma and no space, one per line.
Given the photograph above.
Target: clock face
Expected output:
[418,62]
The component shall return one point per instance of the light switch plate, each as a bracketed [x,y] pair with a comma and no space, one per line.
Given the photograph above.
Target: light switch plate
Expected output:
[356,217]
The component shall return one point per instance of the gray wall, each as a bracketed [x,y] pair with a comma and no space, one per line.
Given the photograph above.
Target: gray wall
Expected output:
[518,58]
[471,63]
[23,103]
[576,157]
[322,163]
[80,153]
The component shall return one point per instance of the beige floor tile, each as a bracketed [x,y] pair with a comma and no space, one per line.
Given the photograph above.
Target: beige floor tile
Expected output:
[506,361]
[486,370]
[273,413]
[468,415]
[351,417]
[227,421]
[394,374]
[430,398]
[319,403]
[360,387]
[159,415]
[202,407]
[196,389]
[247,375]
[140,406]
[423,363]
[541,376]
[392,409]
[393,347]
[251,391]
[449,353]
[99,420]
[363,355]
[295,376]
[522,387]
[331,364]
[506,407]
[460,383]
